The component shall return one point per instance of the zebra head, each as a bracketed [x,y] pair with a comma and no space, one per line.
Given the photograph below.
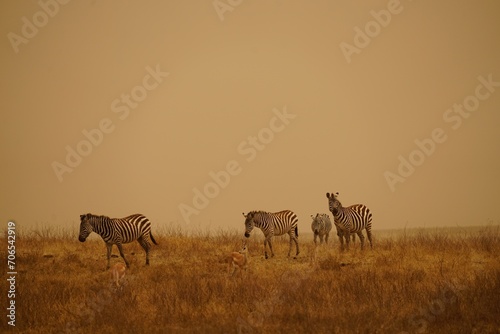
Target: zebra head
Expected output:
[249,224]
[85,227]
[333,202]
[318,223]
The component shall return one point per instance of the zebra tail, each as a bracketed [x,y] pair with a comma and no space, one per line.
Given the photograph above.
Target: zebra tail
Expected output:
[152,239]
[297,231]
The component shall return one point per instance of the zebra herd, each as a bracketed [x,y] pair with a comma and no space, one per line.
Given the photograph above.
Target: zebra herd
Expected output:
[348,221]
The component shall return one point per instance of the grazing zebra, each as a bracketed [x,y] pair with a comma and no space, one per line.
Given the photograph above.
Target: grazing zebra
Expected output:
[321,226]
[351,219]
[273,224]
[118,231]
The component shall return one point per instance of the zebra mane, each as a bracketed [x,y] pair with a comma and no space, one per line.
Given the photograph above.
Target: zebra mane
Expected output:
[253,213]
[258,213]
[95,217]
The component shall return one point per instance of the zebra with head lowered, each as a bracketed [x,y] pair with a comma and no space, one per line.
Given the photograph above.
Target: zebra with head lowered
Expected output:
[271,224]
[118,231]
[321,227]
[351,219]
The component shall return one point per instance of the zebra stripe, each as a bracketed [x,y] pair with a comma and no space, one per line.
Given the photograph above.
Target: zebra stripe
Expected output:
[321,227]
[351,219]
[271,224]
[340,234]
[118,231]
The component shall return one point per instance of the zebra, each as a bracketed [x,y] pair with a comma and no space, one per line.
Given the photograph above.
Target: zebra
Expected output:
[118,231]
[271,224]
[351,219]
[321,226]
[340,234]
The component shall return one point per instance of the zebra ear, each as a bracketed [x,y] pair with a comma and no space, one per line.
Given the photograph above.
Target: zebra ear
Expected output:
[327,195]
[244,215]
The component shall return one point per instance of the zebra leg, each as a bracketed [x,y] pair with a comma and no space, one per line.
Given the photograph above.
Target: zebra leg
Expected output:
[362,239]
[315,237]
[270,247]
[369,235]
[341,239]
[109,246]
[296,246]
[119,245]
[265,248]
[326,238]
[320,239]
[347,239]
[293,238]
[146,246]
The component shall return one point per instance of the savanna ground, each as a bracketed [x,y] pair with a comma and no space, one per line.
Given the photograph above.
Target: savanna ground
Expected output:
[414,281]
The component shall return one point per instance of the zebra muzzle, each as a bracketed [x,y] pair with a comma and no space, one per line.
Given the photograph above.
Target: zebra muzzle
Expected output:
[247,235]
[81,239]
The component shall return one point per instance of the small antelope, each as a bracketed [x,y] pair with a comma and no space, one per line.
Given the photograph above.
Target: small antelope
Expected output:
[238,260]
[117,272]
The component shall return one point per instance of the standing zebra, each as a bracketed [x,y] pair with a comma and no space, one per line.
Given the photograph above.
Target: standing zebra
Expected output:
[340,234]
[118,231]
[273,224]
[321,226]
[351,219]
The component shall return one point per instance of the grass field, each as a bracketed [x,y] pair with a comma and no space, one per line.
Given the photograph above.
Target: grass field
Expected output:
[422,281]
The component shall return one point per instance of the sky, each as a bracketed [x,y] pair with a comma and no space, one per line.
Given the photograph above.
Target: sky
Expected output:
[192,112]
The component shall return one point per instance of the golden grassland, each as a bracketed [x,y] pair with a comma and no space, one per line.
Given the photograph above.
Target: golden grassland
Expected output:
[424,281]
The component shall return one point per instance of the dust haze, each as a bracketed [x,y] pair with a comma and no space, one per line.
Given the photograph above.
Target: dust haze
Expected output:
[194,112]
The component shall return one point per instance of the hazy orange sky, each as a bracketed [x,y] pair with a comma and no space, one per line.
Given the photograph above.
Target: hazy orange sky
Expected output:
[121,107]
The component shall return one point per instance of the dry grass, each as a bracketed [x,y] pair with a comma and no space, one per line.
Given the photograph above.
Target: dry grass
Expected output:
[434,281]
